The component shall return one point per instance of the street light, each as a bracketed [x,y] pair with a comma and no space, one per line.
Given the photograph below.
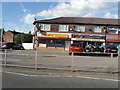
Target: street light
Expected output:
[2,20]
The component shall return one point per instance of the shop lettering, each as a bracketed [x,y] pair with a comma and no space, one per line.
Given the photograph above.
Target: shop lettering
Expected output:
[55,35]
[89,37]
[83,39]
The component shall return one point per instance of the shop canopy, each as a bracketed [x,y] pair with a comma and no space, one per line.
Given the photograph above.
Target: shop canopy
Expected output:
[113,41]
[54,38]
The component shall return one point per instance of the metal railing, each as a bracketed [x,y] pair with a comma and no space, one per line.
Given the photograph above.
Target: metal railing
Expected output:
[58,61]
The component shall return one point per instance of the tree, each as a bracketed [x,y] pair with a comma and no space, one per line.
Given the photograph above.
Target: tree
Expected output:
[23,38]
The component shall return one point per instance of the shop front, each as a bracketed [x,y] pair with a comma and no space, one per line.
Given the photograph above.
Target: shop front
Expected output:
[85,40]
[54,40]
[112,40]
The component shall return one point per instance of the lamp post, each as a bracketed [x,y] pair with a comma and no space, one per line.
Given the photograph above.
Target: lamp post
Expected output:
[2,20]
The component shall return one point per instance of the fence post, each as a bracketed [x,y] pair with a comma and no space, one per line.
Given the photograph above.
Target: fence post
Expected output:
[5,61]
[111,55]
[72,63]
[36,60]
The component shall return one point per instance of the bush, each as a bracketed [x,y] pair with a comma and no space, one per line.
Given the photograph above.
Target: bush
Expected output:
[23,38]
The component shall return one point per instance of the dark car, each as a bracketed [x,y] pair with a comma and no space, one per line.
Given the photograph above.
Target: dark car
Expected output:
[98,49]
[89,49]
[7,45]
[111,49]
[18,47]
[11,45]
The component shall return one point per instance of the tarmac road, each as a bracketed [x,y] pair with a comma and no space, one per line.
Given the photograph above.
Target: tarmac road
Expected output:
[17,80]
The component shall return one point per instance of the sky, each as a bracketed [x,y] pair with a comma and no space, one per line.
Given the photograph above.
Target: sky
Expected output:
[19,16]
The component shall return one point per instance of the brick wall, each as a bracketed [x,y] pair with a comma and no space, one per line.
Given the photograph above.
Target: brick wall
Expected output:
[8,37]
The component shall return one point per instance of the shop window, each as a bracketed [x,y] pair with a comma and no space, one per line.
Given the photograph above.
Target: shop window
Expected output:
[112,30]
[112,44]
[55,43]
[42,41]
[80,28]
[96,29]
[59,43]
[45,27]
[50,43]
[63,27]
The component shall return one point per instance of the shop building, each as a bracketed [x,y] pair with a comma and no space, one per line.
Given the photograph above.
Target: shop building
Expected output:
[63,31]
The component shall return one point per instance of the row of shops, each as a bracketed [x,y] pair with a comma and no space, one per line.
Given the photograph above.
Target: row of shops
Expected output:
[61,32]
[64,40]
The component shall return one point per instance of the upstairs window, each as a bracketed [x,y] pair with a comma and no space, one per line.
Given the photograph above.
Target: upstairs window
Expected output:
[45,27]
[63,28]
[80,28]
[113,30]
[96,29]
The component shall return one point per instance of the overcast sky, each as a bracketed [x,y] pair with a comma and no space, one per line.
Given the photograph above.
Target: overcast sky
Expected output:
[19,16]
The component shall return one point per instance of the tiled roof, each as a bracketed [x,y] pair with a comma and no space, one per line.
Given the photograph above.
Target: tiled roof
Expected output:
[14,32]
[79,20]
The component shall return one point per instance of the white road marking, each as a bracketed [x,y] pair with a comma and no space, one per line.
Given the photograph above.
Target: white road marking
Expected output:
[16,73]
[34,75]
[89,57]
[98,78]
[88,77]
[60,76]
[111,80]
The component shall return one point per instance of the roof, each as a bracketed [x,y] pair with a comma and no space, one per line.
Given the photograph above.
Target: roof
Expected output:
[79,20]
[14,32]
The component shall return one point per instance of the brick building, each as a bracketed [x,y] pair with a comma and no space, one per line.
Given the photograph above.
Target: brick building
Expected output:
[63,31]
[9,36]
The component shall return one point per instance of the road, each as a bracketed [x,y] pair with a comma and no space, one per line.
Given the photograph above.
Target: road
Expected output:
[58,60]
[17,80]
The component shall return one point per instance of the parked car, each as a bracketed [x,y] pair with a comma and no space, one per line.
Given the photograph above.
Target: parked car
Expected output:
[7,45]
[94,48]
[18,47]
[75,48]
[111,49]
[11,45]
[98,49]
[89,49]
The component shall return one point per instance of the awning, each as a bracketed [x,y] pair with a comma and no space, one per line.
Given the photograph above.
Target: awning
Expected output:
[112,40]
[54,38]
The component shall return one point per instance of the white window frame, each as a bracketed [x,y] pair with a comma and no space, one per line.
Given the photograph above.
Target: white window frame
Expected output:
[80,28]
[113,29]
[63,28]
[45,27]
[97,29]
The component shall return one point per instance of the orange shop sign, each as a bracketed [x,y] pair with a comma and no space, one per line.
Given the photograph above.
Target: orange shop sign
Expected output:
[55,35]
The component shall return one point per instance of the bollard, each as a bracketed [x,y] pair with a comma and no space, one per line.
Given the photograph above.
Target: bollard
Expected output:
[5,61]
[36,60]
[111,55]
[72,63]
